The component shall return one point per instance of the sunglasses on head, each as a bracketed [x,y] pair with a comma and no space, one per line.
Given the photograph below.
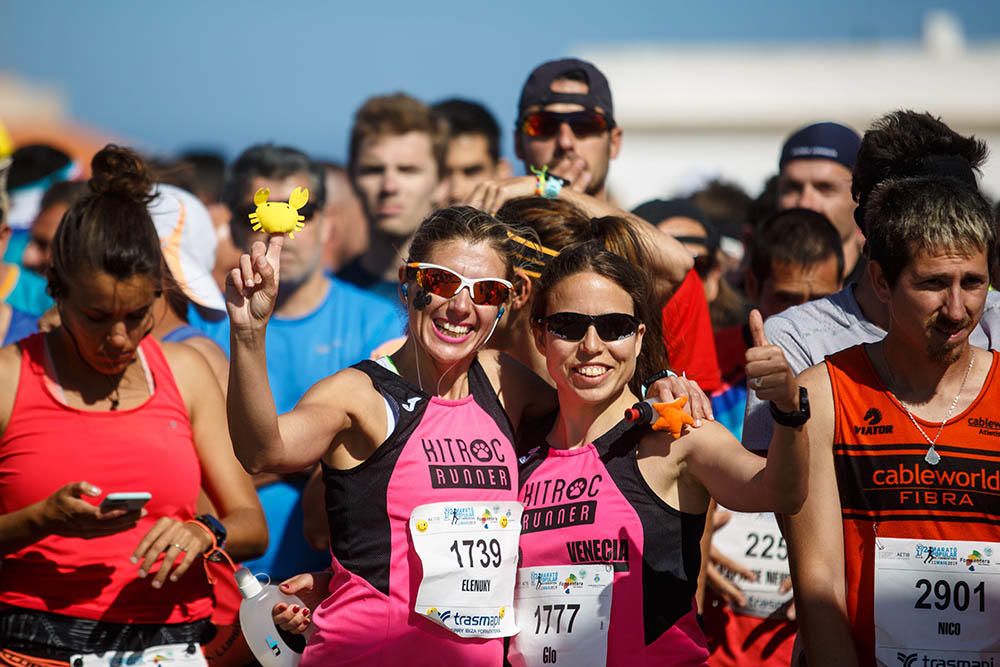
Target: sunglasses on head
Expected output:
[446,283]
[610,327]
[545,124]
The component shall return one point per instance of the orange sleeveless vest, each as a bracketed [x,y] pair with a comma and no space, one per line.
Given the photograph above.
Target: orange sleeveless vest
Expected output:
[888,490]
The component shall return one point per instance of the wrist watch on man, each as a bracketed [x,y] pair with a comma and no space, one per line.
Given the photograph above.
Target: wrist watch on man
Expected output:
[795,418]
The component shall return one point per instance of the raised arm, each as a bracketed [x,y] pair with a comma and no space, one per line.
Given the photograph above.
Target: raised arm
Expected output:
[744,481]
[263,441]
[816,541]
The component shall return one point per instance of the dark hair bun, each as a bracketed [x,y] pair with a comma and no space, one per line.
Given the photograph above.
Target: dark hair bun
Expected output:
[120,171]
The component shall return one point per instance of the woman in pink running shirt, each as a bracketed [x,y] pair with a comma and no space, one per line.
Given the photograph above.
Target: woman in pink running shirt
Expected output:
[416,452]
[613,512]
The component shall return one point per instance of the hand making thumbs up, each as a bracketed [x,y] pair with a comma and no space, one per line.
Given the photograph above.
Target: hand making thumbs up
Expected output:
[768,373]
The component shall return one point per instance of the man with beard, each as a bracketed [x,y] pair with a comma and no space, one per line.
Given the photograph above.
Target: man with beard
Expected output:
[320,325]
[903,446]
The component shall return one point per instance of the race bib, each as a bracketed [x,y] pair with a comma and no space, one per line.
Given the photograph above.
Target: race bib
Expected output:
[468,551]
[179,655]
[755,541]
[936,603]
[563,613]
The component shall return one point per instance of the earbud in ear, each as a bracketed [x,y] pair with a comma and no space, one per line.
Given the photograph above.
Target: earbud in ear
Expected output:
[421,300]
[404,290]
[500,312]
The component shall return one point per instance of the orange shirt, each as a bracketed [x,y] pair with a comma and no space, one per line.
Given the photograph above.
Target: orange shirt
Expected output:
[888,490]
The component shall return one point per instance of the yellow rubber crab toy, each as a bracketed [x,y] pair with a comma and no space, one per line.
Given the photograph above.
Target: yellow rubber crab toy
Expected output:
[277,217]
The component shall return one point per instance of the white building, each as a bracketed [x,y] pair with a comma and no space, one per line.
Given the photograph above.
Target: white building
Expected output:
[699,111]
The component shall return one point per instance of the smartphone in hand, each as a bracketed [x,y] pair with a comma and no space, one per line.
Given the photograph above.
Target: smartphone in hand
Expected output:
[132,501]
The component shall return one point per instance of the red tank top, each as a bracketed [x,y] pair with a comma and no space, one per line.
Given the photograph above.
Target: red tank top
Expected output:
[148,448]
[888,490]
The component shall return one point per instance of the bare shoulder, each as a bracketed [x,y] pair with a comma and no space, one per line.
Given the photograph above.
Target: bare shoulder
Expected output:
[346,388]
[710,435]
[208,348]
[10,371]
[186,363]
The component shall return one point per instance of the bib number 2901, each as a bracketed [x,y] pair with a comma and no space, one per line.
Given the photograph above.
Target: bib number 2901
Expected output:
[937,600]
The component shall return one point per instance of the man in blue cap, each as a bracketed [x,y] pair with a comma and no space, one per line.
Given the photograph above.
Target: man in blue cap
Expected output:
[815,173]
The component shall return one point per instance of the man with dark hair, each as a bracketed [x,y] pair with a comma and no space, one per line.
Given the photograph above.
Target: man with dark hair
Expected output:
[320,325]
[795,256]
[473,148]
[893,552]
[903,143]
[815,173]
[566,136]
[396,161]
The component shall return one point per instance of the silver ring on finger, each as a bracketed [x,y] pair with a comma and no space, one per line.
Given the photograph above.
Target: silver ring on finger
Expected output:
[179,547]
[756,383]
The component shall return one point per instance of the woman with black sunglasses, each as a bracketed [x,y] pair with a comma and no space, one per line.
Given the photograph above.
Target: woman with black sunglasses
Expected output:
[416,452]
[612,511]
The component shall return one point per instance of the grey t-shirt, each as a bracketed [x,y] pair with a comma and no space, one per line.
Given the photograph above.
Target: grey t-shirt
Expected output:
[811,331]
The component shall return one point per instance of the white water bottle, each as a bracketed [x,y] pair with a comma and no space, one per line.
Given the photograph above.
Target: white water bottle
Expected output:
[255,620]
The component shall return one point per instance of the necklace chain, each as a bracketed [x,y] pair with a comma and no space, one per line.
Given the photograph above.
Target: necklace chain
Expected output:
[932,456]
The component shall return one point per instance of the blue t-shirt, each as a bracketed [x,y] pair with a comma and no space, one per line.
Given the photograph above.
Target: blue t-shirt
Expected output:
[28,292]
[21,326]
[343,330]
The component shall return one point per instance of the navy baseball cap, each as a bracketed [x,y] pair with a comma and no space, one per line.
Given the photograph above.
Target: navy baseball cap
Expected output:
[822,141]
[537,90]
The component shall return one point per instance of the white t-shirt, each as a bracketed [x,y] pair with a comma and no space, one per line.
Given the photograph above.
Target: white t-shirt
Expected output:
[811,331]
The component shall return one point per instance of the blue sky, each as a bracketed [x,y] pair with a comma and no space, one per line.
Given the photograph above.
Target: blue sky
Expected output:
[169,75]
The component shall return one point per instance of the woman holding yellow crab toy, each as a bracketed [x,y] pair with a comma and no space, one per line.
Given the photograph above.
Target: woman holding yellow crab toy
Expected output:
[420,471]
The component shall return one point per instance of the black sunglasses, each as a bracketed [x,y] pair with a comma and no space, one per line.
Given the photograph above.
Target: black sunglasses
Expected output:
[610,327]
[545,124]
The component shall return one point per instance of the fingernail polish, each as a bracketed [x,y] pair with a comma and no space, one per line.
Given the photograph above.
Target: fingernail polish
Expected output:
[142,574]
[156,584]
[135,561]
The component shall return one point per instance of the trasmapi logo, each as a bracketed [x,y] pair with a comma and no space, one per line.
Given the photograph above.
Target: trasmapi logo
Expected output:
[460,620]
[917,660]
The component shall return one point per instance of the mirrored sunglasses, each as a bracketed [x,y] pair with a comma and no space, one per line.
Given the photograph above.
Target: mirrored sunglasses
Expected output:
[545,124]
[446,283]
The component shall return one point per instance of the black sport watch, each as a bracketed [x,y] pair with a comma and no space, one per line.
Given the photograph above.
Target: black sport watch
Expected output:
[215,527]
[795,418]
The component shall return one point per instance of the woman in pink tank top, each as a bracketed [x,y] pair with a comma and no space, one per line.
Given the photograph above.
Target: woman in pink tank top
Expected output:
[95,407]
[416,454]
[613,511]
